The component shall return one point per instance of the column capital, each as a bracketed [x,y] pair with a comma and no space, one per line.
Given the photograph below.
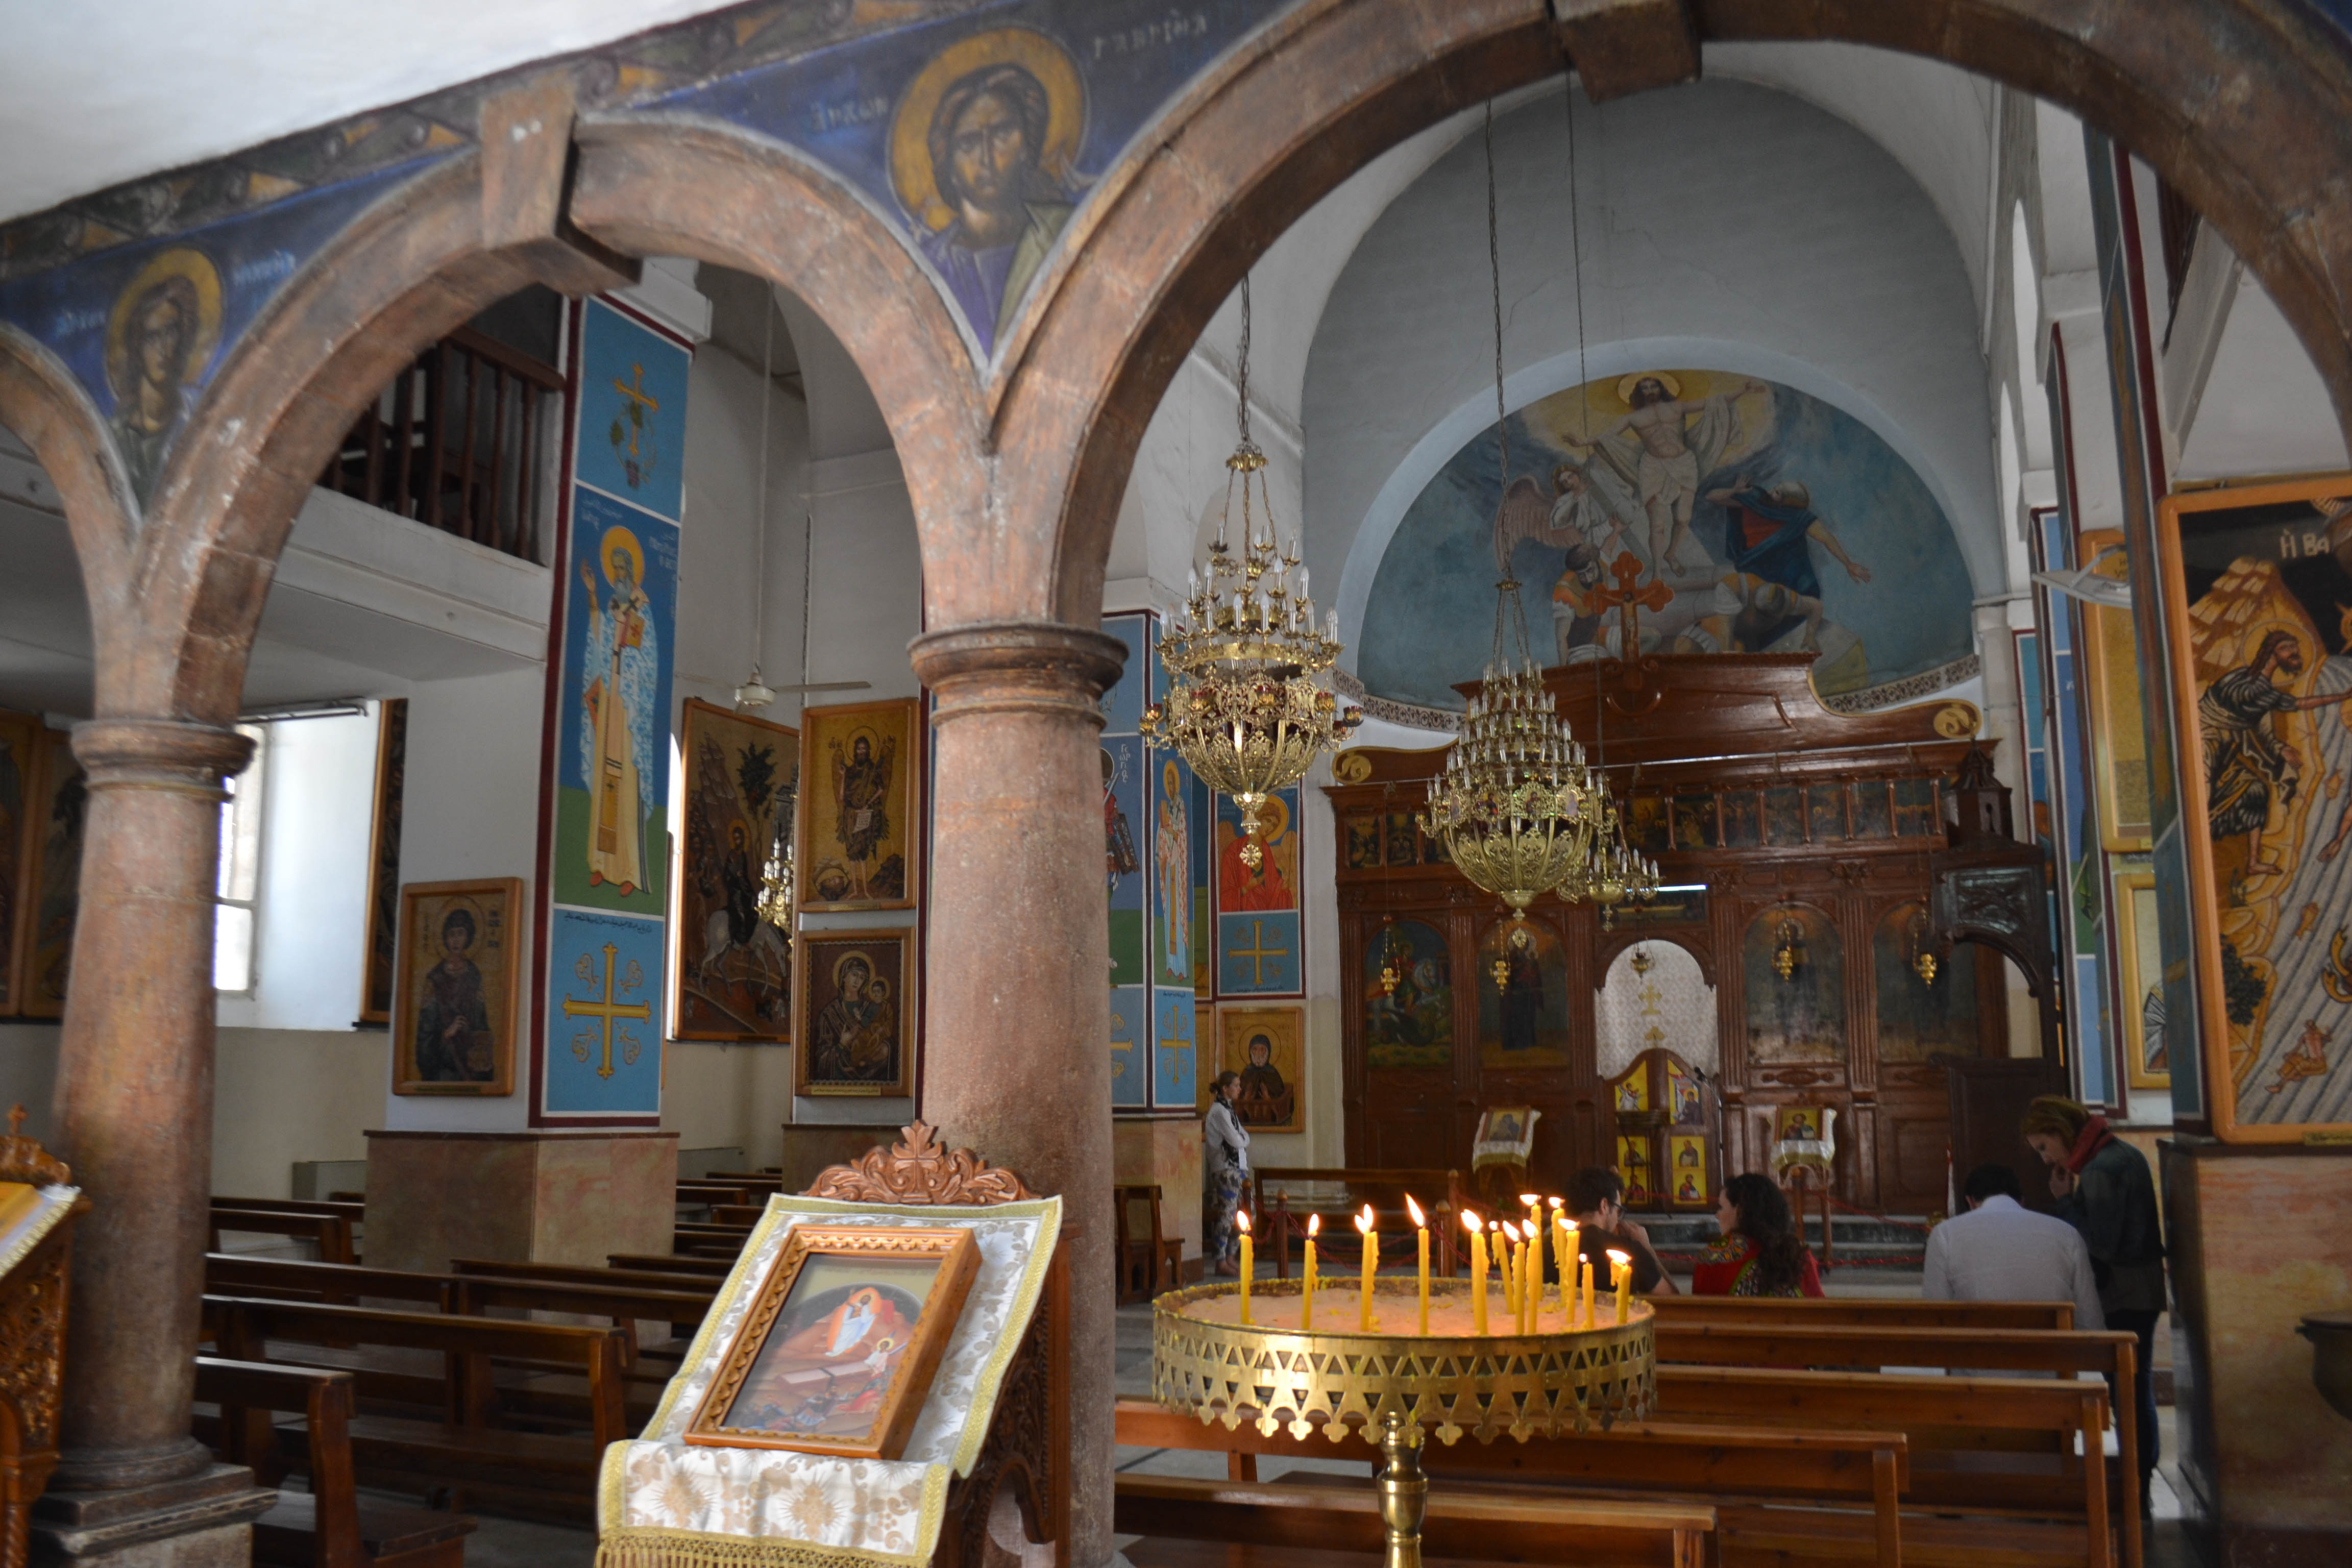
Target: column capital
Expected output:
[170,754]
[1032,667]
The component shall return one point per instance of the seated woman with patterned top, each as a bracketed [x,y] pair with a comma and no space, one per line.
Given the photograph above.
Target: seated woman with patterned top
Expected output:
[1760,1253]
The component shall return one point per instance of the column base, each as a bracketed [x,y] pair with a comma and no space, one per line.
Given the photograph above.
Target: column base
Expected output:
[204,1521]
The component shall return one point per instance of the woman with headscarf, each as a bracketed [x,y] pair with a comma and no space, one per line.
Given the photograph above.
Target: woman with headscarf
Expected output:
[2105,1190]
[1760,1253]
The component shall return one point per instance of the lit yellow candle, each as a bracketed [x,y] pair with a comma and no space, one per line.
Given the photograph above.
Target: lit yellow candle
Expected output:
[1590,1320]
[1249,1263]
[1535,1257]
[1477,1272]
[1306,1293]
[1420,1228]
[1620,1269]
[1372,1264]
[1506,1258]
[1561,1253]
[1571,1260]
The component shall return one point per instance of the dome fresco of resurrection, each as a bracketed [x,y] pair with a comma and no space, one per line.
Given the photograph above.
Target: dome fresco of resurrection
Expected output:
[1745,516]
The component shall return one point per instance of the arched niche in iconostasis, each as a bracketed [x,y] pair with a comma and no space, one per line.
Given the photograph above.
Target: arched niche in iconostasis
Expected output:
[1655,1036]
[1408,999]
[1522,997]
[1921,1013]
[1792,971]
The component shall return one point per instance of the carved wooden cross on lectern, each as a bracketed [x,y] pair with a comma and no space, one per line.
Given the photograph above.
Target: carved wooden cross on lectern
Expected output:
[1629,601]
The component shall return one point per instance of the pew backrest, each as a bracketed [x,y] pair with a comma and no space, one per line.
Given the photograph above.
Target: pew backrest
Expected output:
[249,1393]
[246,1328]
[331,1233]
[1876,1313]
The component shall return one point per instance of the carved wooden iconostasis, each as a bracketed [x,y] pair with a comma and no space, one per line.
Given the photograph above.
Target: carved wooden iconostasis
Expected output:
[1669,1039]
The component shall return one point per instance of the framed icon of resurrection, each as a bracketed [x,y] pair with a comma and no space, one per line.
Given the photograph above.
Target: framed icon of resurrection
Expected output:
[839,1347]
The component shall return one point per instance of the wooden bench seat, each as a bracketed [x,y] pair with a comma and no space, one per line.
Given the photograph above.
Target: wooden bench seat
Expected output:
[1708,1463]
[329,1233]
[327,1527]
[1962,1351]
[463,1443]
[673,1263]
[1334,1515]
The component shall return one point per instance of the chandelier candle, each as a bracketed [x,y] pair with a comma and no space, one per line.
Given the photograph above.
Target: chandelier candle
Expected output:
[1249,1263]
[1306,1293]
[1421,1234]
[1371,1266]
[1620,1269]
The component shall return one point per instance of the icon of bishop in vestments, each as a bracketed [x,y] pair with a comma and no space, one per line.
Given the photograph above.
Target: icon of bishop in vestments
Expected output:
[623,654]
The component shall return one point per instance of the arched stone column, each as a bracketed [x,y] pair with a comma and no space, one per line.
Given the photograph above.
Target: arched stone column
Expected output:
[1018,947]
[135,1094]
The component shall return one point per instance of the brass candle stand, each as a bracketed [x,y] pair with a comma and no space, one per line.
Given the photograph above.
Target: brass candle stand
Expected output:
[1395,1388]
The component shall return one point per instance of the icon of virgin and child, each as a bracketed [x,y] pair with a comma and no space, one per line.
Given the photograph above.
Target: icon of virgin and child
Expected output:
[827,1366]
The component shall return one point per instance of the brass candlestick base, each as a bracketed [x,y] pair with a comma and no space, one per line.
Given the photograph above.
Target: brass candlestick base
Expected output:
[1404,1493]
[1401,1385]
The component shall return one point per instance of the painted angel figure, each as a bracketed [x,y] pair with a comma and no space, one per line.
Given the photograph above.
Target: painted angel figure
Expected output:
[1589,505]
[1662,448]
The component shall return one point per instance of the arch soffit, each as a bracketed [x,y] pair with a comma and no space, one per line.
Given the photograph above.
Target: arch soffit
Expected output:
[46,404]
[2220,95]
[1614,945]
[705,189]
[411,266]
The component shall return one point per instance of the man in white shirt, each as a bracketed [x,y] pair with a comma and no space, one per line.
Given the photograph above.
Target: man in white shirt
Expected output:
[2001,1251]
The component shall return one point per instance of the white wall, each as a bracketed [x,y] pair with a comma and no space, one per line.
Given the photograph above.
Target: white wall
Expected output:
[471,810]
[1722,224]
[318,806]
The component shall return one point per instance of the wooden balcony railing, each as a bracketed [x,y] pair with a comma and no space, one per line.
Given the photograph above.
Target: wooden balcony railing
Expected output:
[455,443]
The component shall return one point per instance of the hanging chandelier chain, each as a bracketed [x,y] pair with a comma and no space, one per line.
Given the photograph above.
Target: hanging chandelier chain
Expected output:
[1241,368]
[760,540]
[1494,277]
[1576,238]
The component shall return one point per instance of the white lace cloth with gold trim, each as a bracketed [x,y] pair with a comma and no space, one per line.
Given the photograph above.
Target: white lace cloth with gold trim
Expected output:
[662,1503]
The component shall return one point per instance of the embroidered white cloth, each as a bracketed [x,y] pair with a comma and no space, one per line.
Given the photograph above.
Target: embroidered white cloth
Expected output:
[1504,1135]
[1816,1154]
[664,1503]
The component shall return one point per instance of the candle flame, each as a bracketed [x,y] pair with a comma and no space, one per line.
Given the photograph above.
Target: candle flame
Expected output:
[1507,1228]
[1619,1259]
[1314,1225]
[1556,1203]
[1241,1219]
[1530,1199]
[1413,1209]
[1471,1222]
[1364,1222]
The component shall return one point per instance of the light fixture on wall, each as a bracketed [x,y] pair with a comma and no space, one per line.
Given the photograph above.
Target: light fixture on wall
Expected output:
[1788,954]
[1923,953]
[1247,705]
[1515,804]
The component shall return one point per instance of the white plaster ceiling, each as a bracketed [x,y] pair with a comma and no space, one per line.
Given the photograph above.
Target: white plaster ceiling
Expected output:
[95,92]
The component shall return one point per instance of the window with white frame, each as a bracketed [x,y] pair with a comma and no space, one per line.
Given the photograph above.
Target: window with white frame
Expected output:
[240,887]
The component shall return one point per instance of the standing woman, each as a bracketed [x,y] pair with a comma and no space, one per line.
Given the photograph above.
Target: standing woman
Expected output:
[1760,1253]
[2104,1190]
[1224,1173]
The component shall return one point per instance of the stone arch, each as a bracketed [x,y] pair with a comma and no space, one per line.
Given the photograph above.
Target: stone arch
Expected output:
[48,407]
[2242,105]
[722,196]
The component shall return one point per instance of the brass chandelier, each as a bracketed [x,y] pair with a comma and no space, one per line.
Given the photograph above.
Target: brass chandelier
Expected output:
[1246,706]
[1516,805]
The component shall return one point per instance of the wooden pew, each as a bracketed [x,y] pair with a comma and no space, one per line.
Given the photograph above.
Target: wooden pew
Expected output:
[464,1447]
[1987,1445]
[701,1281]
[1440,1194]
[1283,1517]
[1958,1350]
[331,1233]
[673,1263]
[346,1208]
[1862,1472]
[1863,1311]
[342,1284]
[327,1527]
